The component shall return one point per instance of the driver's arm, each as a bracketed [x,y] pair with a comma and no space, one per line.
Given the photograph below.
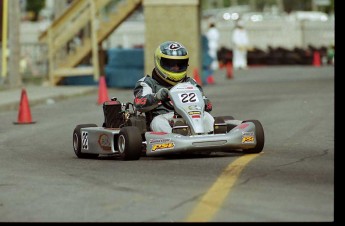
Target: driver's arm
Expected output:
[144,99]
[208,104]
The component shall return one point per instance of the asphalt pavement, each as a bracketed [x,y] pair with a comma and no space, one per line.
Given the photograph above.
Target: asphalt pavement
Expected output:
[40,94]
[10,98]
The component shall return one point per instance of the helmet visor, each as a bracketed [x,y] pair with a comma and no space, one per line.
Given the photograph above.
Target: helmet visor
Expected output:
[174,65]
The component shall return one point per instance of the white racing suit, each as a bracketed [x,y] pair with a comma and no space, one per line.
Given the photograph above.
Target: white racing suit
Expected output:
[213,39]
[161,116]
[241,43]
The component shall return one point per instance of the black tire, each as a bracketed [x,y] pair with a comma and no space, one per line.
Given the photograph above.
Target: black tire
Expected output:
[129,143]
[260,138]
[77,142]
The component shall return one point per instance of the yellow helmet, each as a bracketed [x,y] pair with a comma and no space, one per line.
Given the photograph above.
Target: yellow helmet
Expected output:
[171,62]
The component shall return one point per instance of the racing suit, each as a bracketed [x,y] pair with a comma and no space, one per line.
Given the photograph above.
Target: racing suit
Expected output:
[159,115]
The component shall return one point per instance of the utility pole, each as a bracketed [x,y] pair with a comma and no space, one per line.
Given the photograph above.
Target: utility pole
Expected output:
[14,76]
[3,63]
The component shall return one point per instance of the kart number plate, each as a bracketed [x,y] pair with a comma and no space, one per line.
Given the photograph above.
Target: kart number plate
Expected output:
[187,98]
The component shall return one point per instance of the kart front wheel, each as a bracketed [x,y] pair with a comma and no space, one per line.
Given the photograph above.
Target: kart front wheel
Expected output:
[77,142]
[129,143]
[260,138]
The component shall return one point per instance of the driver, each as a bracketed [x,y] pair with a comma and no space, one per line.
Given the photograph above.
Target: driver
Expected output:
[171,63]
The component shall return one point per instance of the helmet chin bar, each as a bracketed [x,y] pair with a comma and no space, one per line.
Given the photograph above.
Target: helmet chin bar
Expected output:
[163,79]
[165,76]
[175,82]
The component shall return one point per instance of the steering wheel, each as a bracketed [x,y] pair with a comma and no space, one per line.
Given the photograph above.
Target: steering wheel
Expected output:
[167,103]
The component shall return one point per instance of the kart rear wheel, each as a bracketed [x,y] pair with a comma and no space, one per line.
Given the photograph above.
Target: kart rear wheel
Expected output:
[260,138]
[77,142]
[129,143]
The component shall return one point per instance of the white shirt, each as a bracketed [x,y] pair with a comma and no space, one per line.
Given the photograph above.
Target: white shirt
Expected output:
[240,37]
[213,38]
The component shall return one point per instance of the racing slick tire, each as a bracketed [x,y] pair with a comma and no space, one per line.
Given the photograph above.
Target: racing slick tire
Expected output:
[260,138]
[129,143]
[77,142]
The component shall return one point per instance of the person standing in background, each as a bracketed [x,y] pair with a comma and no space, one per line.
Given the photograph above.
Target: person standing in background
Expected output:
[213,38]
[241,44]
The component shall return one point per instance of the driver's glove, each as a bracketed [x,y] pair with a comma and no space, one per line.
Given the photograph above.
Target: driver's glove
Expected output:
[208,105]
[162,94]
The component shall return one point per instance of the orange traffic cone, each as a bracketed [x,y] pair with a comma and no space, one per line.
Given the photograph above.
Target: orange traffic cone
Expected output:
[102,91]
[229,71]
[316,59]
[197,76]
[24,113]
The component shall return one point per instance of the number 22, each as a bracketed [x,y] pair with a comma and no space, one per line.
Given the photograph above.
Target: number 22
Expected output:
[190,97]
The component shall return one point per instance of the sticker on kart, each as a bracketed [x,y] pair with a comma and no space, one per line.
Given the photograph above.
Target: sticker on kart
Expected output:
[85,140]
[104,142]
[248,137]
[188,98]
[163,146]
[152,141]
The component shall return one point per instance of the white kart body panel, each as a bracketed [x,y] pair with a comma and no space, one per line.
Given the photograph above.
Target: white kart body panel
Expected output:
[189,103]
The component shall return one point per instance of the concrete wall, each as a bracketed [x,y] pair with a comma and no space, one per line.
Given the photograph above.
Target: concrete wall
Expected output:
[177,20]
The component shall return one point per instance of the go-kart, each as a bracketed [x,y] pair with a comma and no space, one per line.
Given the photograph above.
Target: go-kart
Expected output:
[126,132]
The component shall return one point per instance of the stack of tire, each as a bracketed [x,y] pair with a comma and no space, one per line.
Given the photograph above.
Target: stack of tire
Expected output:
[82,80]
[124,67]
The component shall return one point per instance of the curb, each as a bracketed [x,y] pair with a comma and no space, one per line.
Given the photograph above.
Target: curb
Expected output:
[43,100]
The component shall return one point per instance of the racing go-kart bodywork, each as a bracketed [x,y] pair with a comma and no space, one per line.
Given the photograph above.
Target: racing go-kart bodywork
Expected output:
[126,133]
